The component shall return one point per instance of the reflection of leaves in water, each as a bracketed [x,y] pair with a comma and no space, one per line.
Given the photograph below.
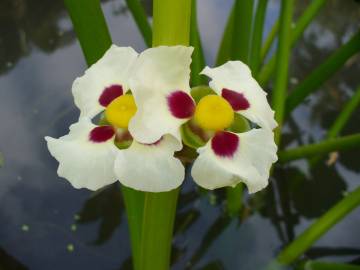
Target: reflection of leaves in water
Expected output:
[216,265]
[318,252]
[8,262]
[215,230]
[24,23]
[105,205]
[313,197]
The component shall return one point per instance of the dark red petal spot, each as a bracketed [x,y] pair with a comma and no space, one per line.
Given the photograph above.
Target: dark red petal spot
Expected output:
[101,134]
[237,100]
[225,144]
[110,93]
[181,105]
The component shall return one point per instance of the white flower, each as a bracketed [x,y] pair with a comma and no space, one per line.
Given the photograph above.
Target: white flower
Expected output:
[233,81]
[160,85]
[88,156]
[229,158]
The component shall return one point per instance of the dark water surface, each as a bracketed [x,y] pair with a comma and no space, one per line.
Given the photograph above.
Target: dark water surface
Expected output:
[46,224]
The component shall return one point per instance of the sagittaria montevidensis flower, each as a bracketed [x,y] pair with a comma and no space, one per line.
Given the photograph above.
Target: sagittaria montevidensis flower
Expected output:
[146,99]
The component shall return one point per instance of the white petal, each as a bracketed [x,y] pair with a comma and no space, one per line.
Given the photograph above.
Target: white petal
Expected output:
[250,164]
[236,76]
[151,168]
[83,163]
[158,72]
[114,68]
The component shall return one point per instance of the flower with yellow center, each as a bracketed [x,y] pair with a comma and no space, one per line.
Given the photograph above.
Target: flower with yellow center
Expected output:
[119,112]
[214,113]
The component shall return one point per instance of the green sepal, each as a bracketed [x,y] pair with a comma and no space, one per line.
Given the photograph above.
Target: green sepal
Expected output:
[240,124]
[201,91]
[190,138]
[123,144]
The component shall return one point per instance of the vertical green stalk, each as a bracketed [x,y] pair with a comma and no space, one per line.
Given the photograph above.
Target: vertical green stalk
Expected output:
[257,35]
[141,20]
[269,41]
[134,204]
[198,60]
[306,18]
[282,65]
[234,198]
[90,27]
[171,26]
[242,30]
[224,51]
[320,227]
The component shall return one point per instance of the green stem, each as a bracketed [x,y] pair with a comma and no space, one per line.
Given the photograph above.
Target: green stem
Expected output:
[90,27]
[269,41]
[234,198]
[282,64]
[134,204]
[257,35]
[198,60]
[138,12]
[306,18]
[336,144]
[157,229]
[242,30]
[320,227]
[340,121]
[224,52]
[345,115]
[171,26]
[323,72]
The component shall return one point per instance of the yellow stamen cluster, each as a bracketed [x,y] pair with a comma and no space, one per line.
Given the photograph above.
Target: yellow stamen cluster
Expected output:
[120,111]
[214,113]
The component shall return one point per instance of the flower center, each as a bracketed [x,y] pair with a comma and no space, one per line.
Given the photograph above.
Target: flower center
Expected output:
[120,111]
[214,113]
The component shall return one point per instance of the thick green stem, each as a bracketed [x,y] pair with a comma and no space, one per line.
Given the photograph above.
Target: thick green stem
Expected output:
[305,19]
[242,30]
[320,227]
[336,144]
[157,230]
[234,198]
[134,204]
[198,60]
[171,26]
[282,64]
[257,35]
[323,72]
[138,12]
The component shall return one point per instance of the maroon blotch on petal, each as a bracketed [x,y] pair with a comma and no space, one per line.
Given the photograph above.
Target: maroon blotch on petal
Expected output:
[237,100]
[181,105]
[101,134]
[225,144]
[109,94]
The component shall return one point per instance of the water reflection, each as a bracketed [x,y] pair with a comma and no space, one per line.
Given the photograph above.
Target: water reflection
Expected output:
[71,229]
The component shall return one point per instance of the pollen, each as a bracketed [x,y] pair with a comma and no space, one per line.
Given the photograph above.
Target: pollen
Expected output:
[119,112]
[214,113]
